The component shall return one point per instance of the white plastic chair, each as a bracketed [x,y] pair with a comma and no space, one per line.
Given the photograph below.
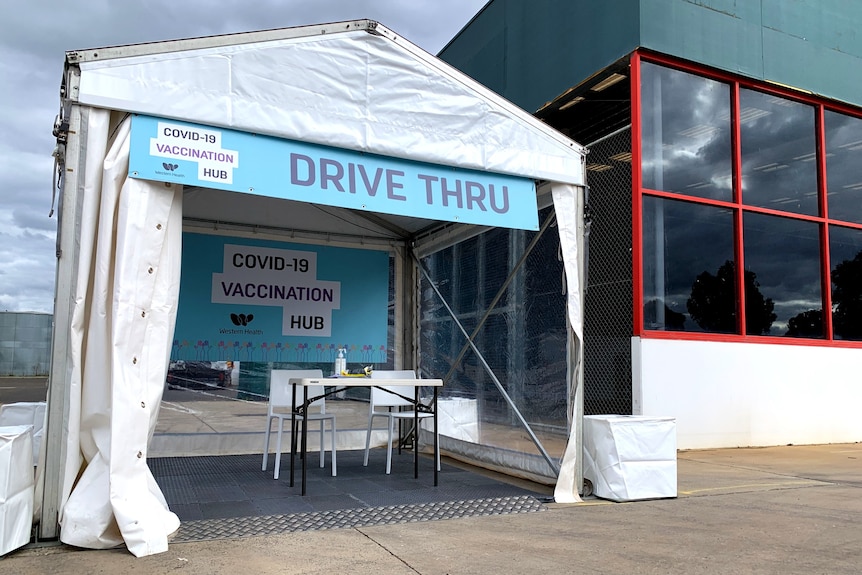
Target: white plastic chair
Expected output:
[383,398]
[281,406]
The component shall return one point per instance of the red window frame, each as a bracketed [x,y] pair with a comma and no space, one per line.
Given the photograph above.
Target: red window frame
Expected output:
[736,205]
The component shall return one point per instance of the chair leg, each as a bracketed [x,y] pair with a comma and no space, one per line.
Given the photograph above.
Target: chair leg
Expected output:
[367,441]
[333,445]
[322,444]
[278,448]
[266,444]
[389,446]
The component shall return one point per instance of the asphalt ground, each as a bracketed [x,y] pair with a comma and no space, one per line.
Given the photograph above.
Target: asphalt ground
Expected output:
[790,509]
[15,389]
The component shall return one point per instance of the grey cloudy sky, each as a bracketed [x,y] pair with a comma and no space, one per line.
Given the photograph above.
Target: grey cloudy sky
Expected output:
[34,35]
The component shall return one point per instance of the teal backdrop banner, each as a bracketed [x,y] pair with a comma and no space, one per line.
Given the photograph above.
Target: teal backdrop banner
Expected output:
[194,155]
[257,300]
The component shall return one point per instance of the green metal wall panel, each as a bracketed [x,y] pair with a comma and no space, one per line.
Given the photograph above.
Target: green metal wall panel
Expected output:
[705,32]
[530,52]
[813,45]
[794,62]
[830,24]
[479,50]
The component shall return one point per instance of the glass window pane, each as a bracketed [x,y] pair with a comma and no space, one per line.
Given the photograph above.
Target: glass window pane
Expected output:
[844,166]
[782,277]
[688,267]
[685,133]
[779,168]
[845,256]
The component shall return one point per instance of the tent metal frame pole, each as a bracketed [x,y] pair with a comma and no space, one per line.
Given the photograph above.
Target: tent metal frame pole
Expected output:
[59,379]
[547,223]
[488,370]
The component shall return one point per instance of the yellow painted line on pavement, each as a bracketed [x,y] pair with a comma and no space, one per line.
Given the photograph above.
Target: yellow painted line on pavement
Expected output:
[752,485]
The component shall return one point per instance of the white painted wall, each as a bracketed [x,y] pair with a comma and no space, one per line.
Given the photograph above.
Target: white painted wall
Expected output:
[744,394]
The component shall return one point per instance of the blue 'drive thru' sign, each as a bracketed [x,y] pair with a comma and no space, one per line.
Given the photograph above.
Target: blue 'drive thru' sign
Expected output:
[203,156]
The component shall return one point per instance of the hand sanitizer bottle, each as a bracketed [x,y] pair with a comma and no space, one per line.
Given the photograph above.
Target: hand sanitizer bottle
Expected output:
[340,362]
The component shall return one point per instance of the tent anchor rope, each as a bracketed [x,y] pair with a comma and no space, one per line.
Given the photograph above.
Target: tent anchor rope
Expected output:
[488,370]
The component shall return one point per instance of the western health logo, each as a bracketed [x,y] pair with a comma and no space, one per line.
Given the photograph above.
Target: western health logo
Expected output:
[241,319]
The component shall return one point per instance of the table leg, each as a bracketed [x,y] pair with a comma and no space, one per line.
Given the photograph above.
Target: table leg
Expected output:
[304,451]
[292,431]
[416,432]
[436,439]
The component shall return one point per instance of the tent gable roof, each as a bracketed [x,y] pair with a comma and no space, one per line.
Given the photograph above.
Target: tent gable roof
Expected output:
[353,85]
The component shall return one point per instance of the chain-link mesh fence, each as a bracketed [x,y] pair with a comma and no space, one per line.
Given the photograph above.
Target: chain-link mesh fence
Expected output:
[608,302]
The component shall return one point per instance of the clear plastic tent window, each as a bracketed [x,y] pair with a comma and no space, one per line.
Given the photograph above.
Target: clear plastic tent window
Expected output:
[522,340]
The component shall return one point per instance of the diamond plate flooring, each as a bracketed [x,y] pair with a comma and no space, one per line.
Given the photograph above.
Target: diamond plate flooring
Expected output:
[229,496]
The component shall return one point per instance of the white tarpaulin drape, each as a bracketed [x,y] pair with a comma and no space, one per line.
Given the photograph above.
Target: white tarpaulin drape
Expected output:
[122,325]
[567,211]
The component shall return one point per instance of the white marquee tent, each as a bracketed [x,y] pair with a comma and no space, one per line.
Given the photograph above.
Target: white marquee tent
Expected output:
[350,85]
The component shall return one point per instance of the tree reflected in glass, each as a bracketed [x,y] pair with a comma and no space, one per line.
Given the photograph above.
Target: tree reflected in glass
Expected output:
[712,303]
[847,298]
[806,324]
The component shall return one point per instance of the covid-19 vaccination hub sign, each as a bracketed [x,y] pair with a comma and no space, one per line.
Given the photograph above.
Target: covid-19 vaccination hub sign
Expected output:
[244,299]
[195,155]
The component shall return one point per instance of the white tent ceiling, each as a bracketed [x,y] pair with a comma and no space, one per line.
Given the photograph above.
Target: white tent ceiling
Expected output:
[214,209]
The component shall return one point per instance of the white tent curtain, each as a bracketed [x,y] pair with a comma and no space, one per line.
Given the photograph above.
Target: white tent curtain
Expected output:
[568,209]
[122,324]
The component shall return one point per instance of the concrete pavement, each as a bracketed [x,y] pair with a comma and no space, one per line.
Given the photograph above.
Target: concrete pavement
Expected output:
[794,509]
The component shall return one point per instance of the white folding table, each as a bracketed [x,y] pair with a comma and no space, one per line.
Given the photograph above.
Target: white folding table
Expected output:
[340,384]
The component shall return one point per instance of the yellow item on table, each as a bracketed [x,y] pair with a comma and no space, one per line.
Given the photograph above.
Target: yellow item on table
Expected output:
[366,372]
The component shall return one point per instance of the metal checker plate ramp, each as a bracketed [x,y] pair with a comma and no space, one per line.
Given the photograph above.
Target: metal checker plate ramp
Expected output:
[210,529]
